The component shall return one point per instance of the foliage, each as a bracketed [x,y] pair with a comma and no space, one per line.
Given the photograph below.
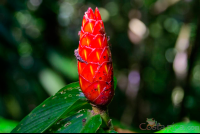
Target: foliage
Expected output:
[182,127]
[37,43]
[68,111]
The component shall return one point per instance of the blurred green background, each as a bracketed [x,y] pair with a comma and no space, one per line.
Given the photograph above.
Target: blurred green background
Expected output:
[155,50]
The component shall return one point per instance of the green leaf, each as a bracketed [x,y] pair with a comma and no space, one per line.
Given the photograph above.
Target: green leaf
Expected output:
[80,122]
[6,126]
[92,125]
[115,82]
[52,109]
[100,130]
[71,124]
[182,127]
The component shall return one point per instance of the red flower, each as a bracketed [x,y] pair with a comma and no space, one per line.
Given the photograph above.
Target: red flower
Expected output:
[94,60]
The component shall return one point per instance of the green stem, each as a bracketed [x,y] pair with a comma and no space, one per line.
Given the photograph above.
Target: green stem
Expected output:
[104,115]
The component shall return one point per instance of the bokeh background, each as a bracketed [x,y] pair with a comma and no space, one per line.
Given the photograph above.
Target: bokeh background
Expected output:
[155,48]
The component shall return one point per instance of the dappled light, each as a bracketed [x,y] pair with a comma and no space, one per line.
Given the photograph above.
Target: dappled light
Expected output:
[155,54]
[137,30]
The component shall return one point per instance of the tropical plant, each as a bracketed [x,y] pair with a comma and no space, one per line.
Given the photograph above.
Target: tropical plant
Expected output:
[81,106]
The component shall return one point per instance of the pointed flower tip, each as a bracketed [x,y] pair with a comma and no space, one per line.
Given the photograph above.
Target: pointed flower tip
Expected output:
[89,13]
[97,14]
[90,10]
[96,9]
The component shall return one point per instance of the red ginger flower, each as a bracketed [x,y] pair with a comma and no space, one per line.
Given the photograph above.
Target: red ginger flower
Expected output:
[94,60]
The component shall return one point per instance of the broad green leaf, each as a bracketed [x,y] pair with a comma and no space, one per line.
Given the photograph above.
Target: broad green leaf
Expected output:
[71,124]
[6,126]
[92,124]
[115,82]
[79,122]
[181,127]
[52,109]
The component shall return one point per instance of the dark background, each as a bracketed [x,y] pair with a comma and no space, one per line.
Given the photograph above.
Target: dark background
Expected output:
[155,51]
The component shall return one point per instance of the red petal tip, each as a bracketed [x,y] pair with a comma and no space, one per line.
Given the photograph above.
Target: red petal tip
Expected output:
[89,9]
[97,14]
[96,9]
[89,14]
